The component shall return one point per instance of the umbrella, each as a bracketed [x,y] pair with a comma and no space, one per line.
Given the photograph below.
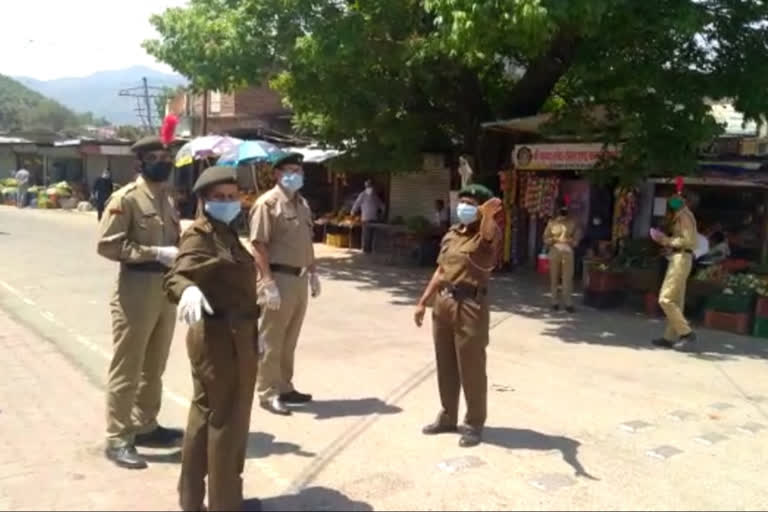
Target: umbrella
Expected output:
[249,152]
[204,147]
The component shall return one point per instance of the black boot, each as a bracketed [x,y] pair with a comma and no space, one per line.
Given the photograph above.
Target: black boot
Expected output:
[470,437]
[686,342]
[662,343]
[161,437]
[125,457]
[295,399]
[439,428]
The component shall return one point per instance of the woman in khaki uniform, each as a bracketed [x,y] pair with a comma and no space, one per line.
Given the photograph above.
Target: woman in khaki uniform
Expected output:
[562,235]
[214,283]
[460,318]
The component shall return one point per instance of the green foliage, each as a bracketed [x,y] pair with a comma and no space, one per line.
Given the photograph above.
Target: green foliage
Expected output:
[24,109]
[389,78]
[129,132]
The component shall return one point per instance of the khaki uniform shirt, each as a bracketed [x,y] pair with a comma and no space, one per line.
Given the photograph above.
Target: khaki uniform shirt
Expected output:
[135,220]
[466,258]
[562,231]
[683,231]
[284,225]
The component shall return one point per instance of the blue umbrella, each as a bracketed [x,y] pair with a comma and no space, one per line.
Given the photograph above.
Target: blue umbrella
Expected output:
[249,152]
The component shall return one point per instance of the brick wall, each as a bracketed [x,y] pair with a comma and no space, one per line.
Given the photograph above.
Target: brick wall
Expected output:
[259,101]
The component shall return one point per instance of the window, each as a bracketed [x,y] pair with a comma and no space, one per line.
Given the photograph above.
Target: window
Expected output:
[215,103]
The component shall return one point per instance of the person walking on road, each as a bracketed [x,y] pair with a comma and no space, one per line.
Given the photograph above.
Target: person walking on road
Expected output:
[281,234]
[460,318]
[140,230]
[562,235]
[370,207]
[214,283]
[679,247]
[22,183]
[102,189]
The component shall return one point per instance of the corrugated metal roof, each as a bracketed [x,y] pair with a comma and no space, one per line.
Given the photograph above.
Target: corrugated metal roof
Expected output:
[316,155]
[14,140]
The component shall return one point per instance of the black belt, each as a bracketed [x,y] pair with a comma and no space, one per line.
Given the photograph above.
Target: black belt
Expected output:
[287,269]
[152,266]
[462,291]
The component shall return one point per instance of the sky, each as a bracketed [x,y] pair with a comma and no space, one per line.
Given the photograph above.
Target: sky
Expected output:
[47,39]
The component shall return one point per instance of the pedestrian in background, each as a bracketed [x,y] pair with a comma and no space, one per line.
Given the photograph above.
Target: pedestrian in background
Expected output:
[102,190]
[562,235]
[22,186]
[461,316]
[281,233]
[370,207]
[214,283]
[140,230]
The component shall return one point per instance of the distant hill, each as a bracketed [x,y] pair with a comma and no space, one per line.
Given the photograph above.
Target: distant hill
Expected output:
[24,109]
[98,93]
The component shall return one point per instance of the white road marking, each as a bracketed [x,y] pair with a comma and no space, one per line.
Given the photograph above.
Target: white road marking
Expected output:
[173,396]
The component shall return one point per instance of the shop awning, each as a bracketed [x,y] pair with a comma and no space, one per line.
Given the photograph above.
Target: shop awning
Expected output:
[314,155]
[714,182]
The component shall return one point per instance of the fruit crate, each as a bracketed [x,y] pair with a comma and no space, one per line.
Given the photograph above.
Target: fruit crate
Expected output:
[761,308]
[760,329]
[731,303]
[337,240]
[738,323]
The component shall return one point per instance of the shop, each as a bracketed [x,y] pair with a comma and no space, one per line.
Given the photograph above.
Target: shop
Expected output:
[542,176]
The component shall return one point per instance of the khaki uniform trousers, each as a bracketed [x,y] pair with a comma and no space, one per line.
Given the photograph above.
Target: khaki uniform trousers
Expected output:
[460,331]
[672,295]
[224,361]
[561,272]
[143,321]
[279,334]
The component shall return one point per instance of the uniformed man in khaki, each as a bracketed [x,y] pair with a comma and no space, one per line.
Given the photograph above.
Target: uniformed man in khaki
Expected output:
[679,248]
[281,234]
[214,283]
[140,230]
[460,319]
[561,235]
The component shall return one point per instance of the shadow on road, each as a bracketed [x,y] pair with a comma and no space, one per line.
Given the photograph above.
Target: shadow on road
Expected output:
[524,439]
[328,409]
[262,445]
[523,293]
[312,498]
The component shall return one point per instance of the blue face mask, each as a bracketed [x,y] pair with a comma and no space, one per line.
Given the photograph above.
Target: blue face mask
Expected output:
[223,211]
[467,213]
[292,181]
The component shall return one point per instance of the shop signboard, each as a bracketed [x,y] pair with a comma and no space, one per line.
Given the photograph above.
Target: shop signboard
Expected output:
[545,157]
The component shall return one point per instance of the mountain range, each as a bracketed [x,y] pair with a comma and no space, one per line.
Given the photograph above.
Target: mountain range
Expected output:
[99,93]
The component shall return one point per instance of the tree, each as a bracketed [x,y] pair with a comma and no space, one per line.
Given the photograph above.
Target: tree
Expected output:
[129,132]
[389,78]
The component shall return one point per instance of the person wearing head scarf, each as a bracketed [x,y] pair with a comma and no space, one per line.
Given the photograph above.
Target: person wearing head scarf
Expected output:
[679,245]
[562,235]
[213,281]
[460,318]
[140,229]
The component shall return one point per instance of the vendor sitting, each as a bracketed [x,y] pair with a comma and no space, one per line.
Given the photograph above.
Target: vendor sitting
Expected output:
[719,250]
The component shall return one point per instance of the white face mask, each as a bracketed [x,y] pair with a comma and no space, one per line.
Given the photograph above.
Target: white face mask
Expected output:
[369,190]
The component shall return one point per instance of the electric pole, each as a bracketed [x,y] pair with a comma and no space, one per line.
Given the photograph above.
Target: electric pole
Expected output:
[144,94]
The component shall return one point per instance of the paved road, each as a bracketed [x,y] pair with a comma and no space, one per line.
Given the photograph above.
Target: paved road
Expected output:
[577,405]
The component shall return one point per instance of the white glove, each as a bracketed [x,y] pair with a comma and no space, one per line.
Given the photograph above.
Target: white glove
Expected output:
[166,255]
[314,285]
[192,304]
[270,296]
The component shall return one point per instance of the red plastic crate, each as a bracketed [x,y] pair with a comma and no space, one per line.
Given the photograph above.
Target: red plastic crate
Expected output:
[761,309]
[738,323]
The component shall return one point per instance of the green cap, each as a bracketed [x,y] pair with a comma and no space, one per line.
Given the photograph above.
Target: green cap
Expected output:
[213,176]
[477,192]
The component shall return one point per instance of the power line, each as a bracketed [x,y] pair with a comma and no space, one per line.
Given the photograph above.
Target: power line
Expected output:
[144,94]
